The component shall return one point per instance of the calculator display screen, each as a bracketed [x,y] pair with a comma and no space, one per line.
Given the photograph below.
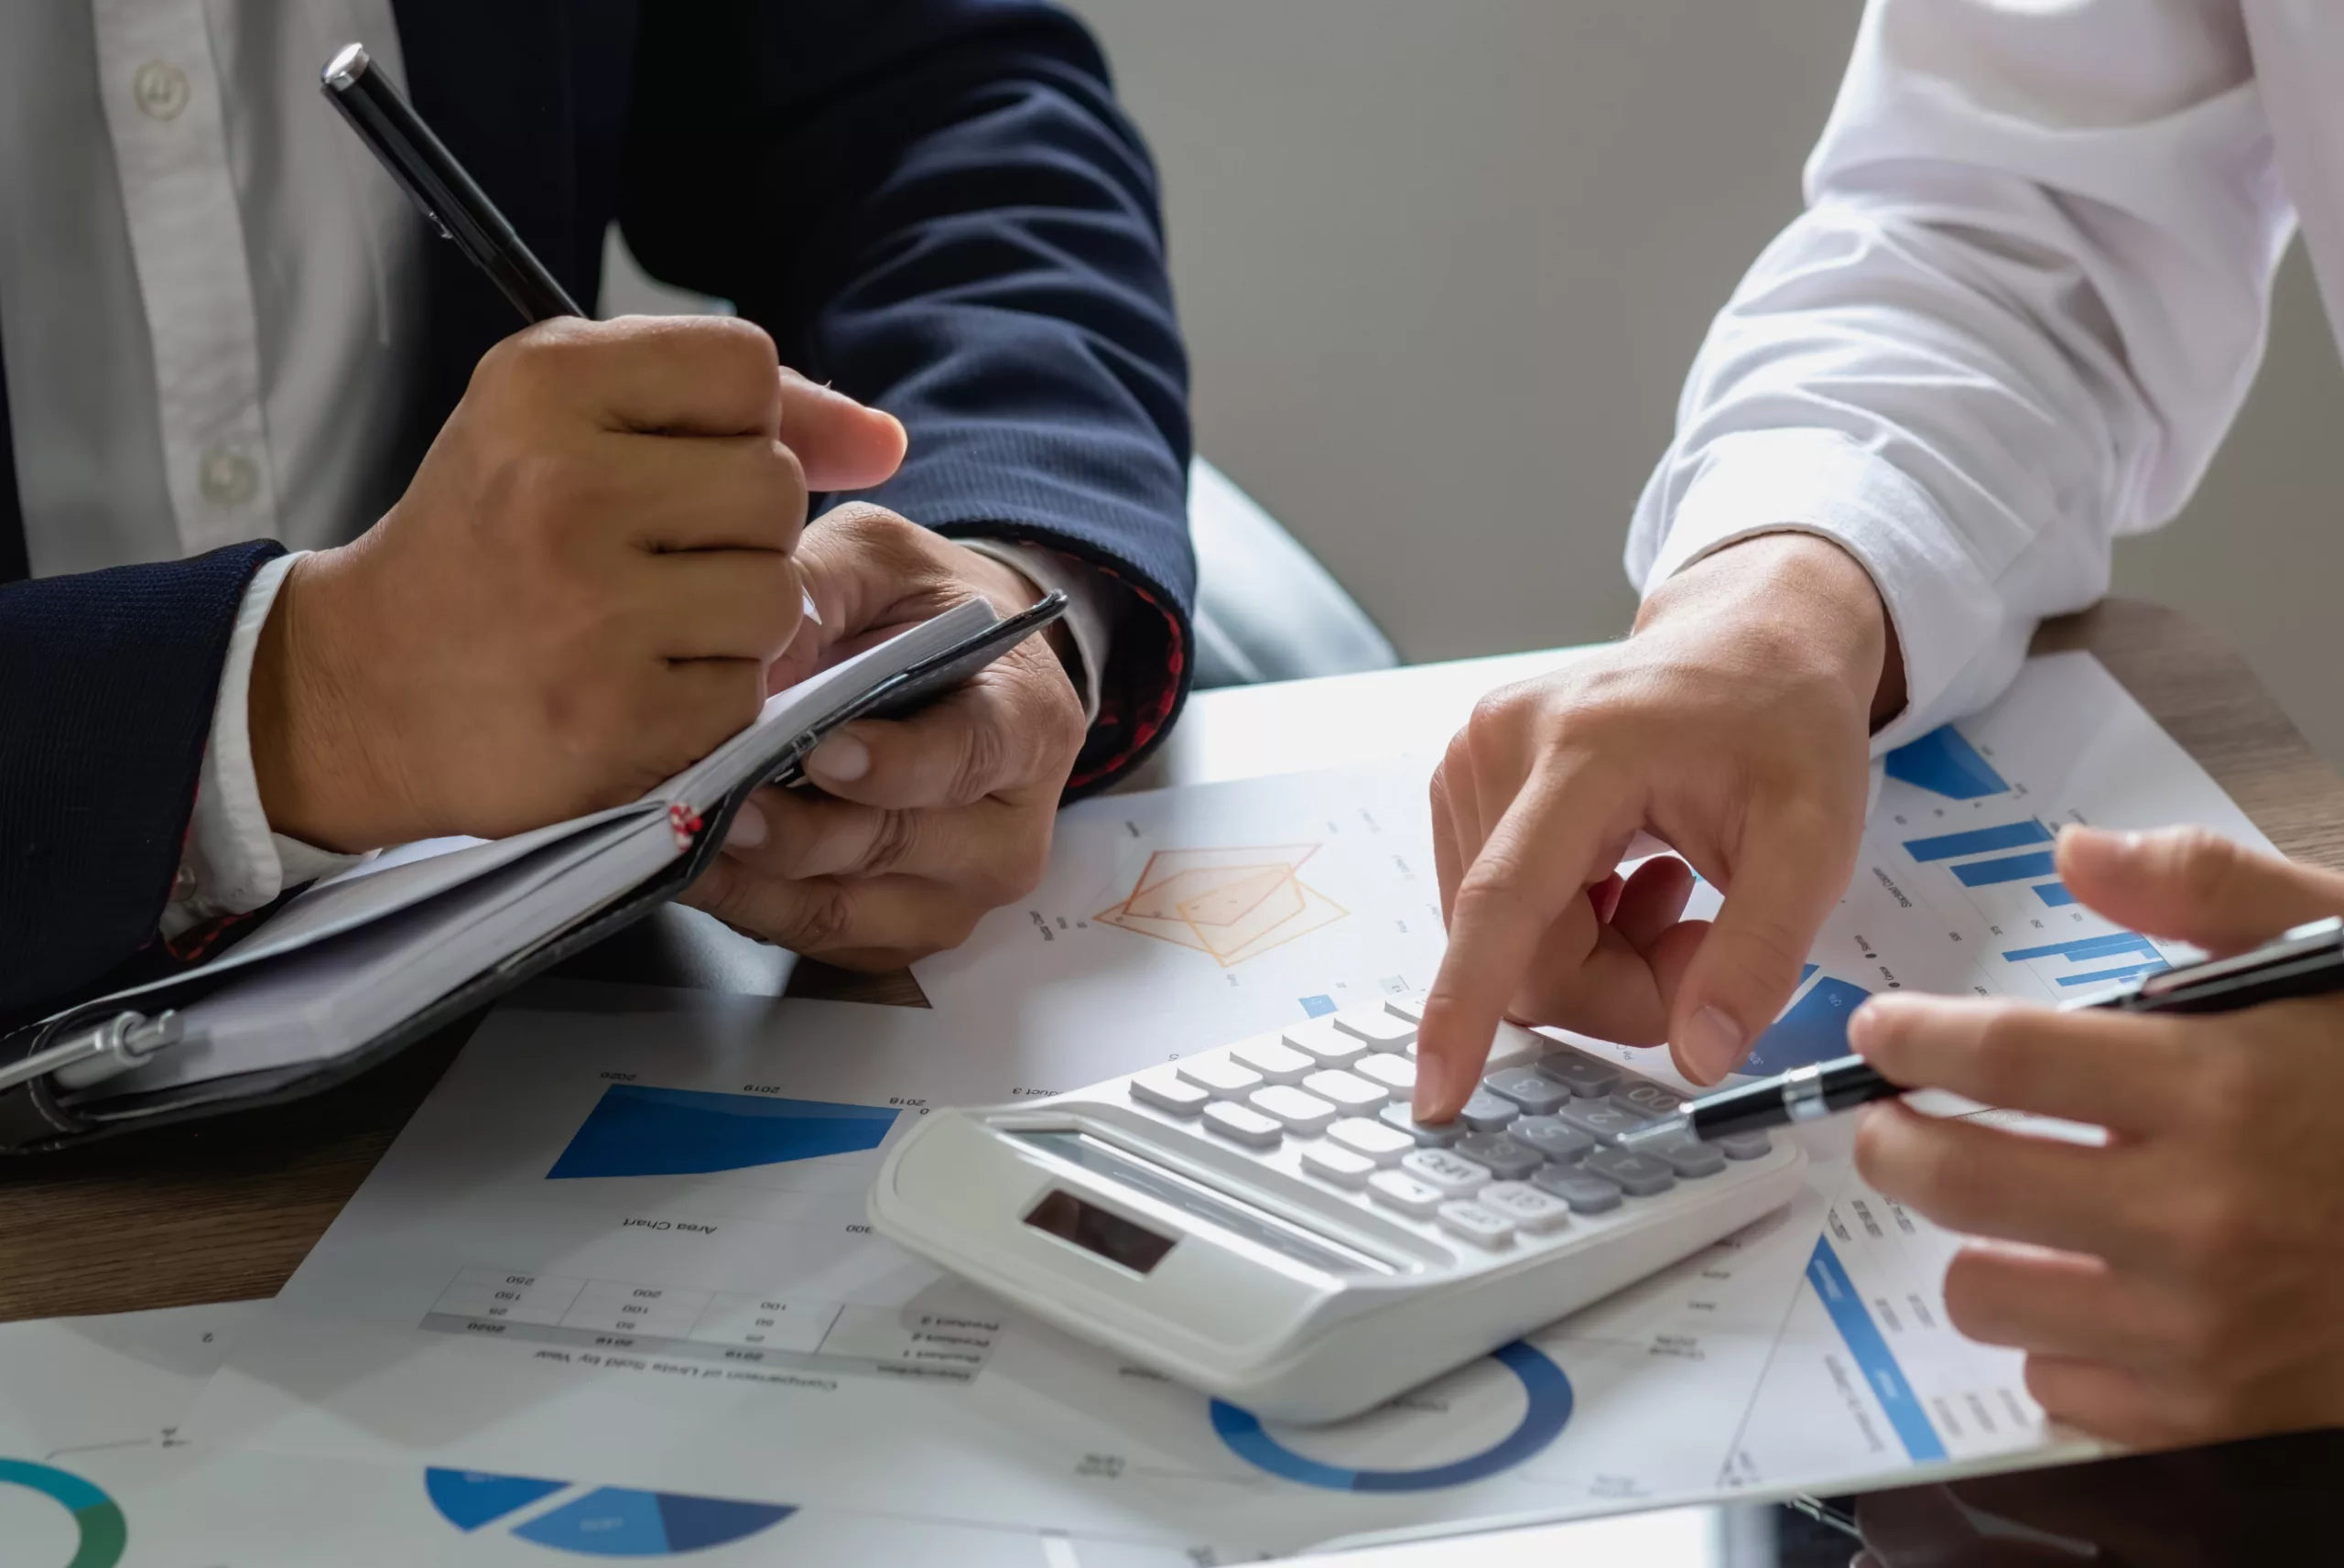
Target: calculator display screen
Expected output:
[1094,1230]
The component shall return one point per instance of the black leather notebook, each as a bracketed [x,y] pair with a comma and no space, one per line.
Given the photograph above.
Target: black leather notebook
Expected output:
[362,966]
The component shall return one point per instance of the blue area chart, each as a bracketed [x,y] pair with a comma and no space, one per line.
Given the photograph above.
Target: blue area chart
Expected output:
[607,1521]
[1549,1410]
[634,1130]
[1944,763]
[1814,1028]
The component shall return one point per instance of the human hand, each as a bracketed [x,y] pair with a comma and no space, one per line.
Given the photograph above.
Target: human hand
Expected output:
[925,823]
[2185,1281]
[577,596]
[1732,726]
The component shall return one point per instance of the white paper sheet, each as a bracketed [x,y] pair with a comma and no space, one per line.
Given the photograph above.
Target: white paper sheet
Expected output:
[607,1245]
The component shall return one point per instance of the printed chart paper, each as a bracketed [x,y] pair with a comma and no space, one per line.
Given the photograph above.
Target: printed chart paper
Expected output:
[632,1246]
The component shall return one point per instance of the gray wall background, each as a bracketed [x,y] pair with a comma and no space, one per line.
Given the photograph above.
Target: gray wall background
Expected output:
[1442,264]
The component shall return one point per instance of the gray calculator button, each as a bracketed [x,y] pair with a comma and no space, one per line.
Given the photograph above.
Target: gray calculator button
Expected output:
[1507,1159]
[1639,1176]
[1645,1098]
[1485,1112]
[1533,1090]
[1447,1173]
[1552,1137]
[1581,1074]
[1243,1124]
[1690,1158]
[1586,1193]
[1428,1135]
[1482,1226]
[1746,1145]
[1600,1119]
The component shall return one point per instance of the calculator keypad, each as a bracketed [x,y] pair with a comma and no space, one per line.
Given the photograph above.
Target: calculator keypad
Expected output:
[1535,1146]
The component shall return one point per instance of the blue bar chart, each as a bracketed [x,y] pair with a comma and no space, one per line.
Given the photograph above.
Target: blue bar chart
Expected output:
[2139,954]
[1944,763]
[639,1130]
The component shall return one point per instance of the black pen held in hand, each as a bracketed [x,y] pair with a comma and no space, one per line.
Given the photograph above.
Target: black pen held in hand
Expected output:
[2305,961]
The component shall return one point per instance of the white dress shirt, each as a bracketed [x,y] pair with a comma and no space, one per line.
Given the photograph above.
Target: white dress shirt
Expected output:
[210,295]
[2025,303]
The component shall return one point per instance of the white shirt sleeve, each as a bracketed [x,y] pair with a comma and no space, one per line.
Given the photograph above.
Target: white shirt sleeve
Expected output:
[232,862]
[2025,300]
[1092,605]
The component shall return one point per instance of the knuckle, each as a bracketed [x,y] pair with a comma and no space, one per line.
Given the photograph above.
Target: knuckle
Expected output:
[894,836]
[981,755]
[822,921]
[2204,1237]
[2205,864]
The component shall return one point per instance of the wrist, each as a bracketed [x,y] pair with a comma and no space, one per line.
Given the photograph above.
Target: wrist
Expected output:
[307,738]
[1803,600]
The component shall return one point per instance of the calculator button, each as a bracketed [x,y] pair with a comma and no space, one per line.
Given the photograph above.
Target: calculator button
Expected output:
[1410,1007]
[1536,1093]
[1353,1094]
[1642,1097]
[1371,1140]
[1306,1115]
[1586,1193]
[1600,1119]
[1275,1061]
[1396,1073]
[1341,1166]
[1581,1074]
[1452,1176]
[1746,1145]
[1639,1176]
[1382,1031]
[1690,1158]
[1167,1090]
[1507,1160]
[1485,1112]
[1217,1073]
[1424,1134]
[1481,1227]
[1241,1124]
[1324,1044]
[1395,1189]
[1552,1137]
[1530,1210]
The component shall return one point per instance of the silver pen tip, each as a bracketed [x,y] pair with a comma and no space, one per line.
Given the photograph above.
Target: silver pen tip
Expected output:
[346,67]
[1667,1130]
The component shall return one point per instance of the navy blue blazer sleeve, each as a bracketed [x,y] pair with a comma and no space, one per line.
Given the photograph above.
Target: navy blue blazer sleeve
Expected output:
[107,681]
[939,206]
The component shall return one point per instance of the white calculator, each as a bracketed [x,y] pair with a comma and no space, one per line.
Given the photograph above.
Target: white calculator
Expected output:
[1265,1222]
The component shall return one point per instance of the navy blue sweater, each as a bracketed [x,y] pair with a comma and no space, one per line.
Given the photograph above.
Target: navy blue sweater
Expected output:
[936,204]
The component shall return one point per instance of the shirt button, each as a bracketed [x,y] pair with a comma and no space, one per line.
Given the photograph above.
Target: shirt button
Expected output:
[160,88]
[227,477]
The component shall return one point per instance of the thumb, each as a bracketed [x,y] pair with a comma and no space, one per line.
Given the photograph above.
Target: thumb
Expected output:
[840,444]
[2194,885]
[1749,963]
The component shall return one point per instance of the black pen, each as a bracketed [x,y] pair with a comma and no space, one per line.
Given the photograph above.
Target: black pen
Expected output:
[2305,961]
[450,201]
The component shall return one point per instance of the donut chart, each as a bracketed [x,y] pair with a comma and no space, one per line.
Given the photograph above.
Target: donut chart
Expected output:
[105,1532]
[1550,1411]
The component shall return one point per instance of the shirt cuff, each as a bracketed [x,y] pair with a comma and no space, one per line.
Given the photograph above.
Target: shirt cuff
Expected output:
[233,864]
[1092,604]
[1960,642]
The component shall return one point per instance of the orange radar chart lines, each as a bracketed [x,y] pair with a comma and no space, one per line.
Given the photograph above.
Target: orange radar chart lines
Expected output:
[1232,905]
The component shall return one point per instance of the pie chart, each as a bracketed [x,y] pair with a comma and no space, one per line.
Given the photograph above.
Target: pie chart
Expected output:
[597,1521]
[103,1531]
